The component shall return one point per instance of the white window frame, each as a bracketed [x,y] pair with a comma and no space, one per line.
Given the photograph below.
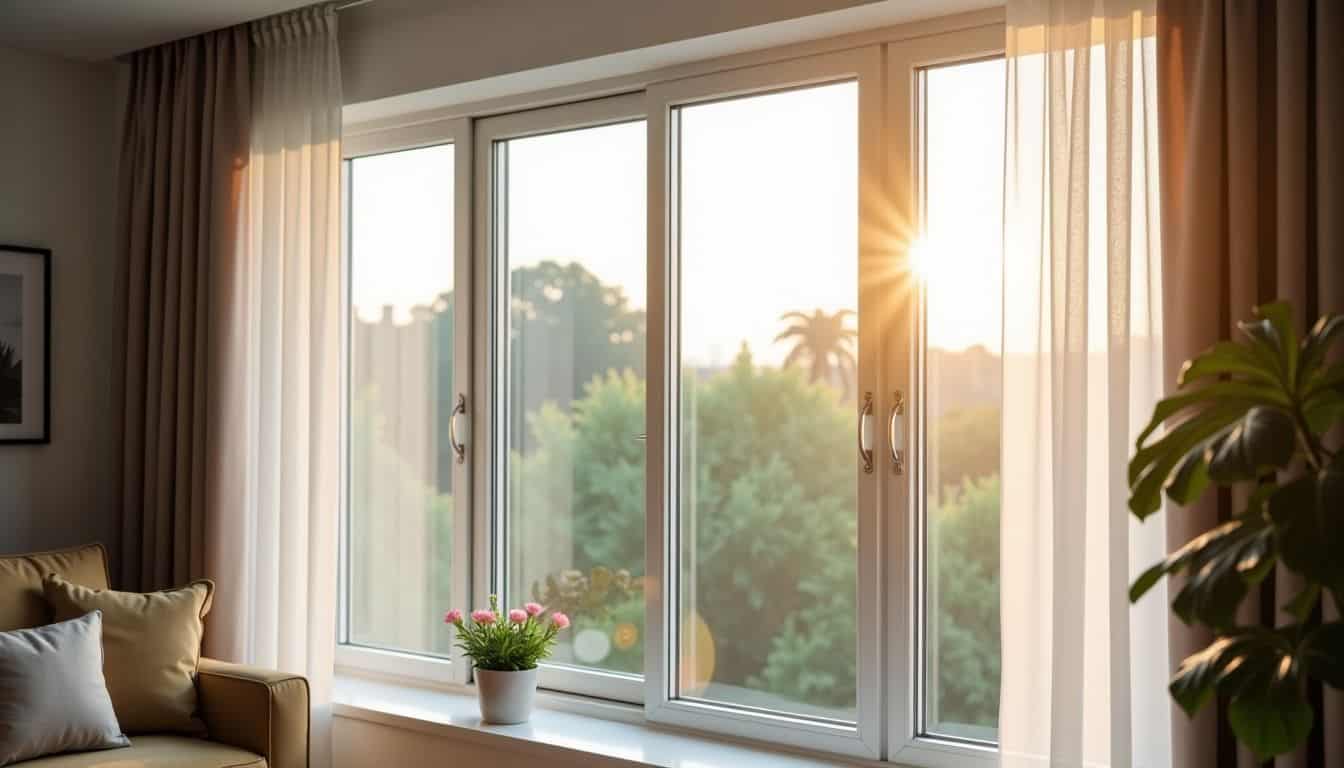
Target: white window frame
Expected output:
[890,505]
[493,284]
[397,663]
[907,741]
[662,704]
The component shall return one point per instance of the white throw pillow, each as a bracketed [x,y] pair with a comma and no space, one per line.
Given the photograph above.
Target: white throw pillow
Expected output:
[53,697]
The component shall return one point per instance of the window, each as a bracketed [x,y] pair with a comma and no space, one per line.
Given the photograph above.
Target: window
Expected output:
[962,107]
[767,365]
[401,397]
[667,361]
[569,252]
[768,400]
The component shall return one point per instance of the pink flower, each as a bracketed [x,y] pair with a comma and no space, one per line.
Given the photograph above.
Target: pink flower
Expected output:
[452,617]
[560,620]
[517,615]
[533,609]
[484,617]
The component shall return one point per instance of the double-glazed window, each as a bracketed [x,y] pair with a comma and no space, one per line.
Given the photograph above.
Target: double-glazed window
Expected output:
[565,248]
[401,389]
[671,362]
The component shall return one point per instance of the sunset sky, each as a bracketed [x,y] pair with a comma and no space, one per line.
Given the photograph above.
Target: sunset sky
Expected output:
[769,218]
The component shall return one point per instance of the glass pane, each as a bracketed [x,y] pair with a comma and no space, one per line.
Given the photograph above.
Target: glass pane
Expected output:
[768,232]
[573,236]
[401,397]
[961,264]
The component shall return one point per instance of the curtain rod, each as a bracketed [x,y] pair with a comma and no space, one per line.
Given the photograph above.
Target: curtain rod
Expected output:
[352,4]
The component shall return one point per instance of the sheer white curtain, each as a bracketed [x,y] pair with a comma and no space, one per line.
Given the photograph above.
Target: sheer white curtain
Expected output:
[272,539]
[1084,673]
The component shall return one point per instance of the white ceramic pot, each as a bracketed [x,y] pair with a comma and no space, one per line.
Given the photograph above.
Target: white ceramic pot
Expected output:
[506,698]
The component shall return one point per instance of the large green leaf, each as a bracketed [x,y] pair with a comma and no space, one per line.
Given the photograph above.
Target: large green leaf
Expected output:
[1178,560]
[1224,392]
[1323,654]
[1328,330]
[1270,713]
[1261,408]
[1196,680]
[1228,358]
[1304,604]
[1260,671]
[1222,563]
[1221,573]
[1191,475]
[1274,339]
[1264,439]
[1308,515]
[1324,408]
[1152,465]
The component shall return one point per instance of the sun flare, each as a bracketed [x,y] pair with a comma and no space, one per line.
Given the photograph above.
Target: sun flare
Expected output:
[924,261]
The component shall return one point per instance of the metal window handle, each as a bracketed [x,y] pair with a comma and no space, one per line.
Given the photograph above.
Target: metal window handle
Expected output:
[866,433]
[896,432]
[459,446]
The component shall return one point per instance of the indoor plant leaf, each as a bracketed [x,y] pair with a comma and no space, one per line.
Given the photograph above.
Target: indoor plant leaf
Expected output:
[1224,392]
[1308,515]
[1222,665]
[1227,358]
[1321,653]
[1223,564]
[1258,420]
[1152,465]
[1316,348]
[1263,439]
[1222,571]
[1269,712]
[1274,339]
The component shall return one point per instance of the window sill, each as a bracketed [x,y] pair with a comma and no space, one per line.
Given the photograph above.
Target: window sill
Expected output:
[583,727]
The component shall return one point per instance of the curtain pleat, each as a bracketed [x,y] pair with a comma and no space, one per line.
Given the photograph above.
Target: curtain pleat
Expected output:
[185,148]
[1253,157]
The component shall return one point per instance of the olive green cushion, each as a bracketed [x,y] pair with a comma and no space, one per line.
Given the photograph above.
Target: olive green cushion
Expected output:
[151,648]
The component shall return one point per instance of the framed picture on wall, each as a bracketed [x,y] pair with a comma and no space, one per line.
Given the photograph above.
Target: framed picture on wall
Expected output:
[25,344]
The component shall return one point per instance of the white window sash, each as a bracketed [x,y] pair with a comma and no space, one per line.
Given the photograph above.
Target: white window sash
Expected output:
[457,132]
[863,738]
[906,738]
[492,315]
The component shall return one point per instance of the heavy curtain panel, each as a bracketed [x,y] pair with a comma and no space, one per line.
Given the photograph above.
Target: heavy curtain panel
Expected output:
[183,172]
[230,244]
[271,543]
[1084,672]
[1252,104]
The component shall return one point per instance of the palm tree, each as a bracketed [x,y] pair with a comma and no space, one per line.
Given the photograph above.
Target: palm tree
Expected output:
[825,343]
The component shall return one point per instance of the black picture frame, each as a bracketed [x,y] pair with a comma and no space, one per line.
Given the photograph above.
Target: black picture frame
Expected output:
[43,256]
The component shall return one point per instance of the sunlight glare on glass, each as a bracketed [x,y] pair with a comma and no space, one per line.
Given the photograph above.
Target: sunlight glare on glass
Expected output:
[926,263]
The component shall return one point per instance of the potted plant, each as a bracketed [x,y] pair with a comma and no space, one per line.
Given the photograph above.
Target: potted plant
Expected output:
[505,651]
[1256,415]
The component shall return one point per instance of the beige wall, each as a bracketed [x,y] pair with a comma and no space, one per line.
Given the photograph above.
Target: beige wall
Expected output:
[391,47]
[58,149]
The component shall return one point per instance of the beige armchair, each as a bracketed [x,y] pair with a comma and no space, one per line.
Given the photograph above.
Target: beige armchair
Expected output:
[256,718]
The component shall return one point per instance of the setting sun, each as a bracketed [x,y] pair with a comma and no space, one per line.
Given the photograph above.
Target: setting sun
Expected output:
[924,261]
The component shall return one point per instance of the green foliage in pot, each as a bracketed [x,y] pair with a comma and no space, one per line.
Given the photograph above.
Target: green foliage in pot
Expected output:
[1254,415]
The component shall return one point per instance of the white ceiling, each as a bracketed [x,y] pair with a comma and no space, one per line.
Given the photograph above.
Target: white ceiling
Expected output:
[95,30]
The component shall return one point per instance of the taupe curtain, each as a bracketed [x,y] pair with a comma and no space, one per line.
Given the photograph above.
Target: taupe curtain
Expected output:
[1251,116]
[184,161]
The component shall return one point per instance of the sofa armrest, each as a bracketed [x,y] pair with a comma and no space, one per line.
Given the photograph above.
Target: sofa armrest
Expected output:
[256,709]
